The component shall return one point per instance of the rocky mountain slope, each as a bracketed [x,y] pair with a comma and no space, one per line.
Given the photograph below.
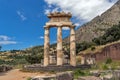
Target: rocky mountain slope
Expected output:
[98,25]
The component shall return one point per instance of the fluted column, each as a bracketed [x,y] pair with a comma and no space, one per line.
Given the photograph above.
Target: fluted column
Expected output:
[46,47]
[72,47]
[59,46]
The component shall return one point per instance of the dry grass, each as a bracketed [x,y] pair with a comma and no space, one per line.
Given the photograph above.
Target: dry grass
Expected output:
[98,48]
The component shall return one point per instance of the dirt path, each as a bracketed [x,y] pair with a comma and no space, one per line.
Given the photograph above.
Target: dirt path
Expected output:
[18,75]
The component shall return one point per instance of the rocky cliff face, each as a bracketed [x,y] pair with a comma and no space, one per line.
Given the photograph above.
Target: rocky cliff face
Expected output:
[98,25]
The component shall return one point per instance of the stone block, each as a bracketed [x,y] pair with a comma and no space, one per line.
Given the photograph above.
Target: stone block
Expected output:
[58,76]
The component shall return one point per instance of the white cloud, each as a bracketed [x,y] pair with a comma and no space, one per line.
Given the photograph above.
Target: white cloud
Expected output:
[65,28]
[3,37]
[77,24]
[81,9]
[47,11]
[5,40]
[41,37]
[21,15]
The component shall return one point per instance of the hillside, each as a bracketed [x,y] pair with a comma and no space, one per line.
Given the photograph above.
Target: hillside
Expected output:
[98,25]
[99,49]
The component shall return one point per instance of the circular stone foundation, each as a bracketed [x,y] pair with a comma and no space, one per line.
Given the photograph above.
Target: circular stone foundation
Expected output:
[54,67]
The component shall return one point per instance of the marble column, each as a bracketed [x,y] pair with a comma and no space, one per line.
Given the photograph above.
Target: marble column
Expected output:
[59,46]
[72,47]
[46,46]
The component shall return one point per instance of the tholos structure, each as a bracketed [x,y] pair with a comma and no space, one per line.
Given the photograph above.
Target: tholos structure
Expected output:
[59,20]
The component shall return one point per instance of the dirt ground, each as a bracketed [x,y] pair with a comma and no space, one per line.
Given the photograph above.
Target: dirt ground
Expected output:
[16,74]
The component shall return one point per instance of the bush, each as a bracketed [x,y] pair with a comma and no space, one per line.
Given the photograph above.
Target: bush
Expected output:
[111,34]
[34,58]
[108,61]
[80,72]
[83,46]
[92,48]
[29,78]
[105,67]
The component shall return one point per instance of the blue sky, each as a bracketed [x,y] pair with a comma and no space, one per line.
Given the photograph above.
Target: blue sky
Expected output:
[22,21]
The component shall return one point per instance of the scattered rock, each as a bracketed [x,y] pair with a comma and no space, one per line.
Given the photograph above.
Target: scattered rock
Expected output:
[95,73]
[44,78]
[65,76]
[58,76]
[4,68]
[89,78]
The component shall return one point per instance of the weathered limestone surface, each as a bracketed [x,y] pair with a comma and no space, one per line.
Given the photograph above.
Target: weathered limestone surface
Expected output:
[58,76]
[46,47]
[65,76]
[89,78]
[59,20]
[59,46]
[72,47]
[110,51]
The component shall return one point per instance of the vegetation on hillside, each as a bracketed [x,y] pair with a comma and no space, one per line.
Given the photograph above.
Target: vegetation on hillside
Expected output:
[112,34]
[21,57]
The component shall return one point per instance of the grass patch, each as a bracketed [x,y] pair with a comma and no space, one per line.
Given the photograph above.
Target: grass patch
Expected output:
[79,72]
[107,65]
[29,78]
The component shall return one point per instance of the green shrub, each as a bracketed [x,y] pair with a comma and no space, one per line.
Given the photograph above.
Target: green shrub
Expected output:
[29,78]
[83,46]
[111,34]
[34,58]
[80,72]
[93,48]
[105,67]
[108,61]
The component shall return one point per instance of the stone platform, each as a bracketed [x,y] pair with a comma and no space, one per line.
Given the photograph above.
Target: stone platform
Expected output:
[54,67]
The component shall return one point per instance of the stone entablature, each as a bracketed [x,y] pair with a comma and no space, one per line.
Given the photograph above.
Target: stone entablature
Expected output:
[59,17]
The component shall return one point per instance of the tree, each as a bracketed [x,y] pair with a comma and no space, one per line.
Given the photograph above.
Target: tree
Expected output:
[33,59]
[83,46]
[0,48]
[111,34]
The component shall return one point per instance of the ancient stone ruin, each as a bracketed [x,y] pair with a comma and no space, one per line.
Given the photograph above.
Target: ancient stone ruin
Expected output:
[59,20]
[58,76]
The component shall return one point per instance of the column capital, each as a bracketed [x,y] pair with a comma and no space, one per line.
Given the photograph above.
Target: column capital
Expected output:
[46,27]
[72,26]
[59,25]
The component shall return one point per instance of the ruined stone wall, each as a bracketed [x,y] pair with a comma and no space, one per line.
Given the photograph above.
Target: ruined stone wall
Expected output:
[112,51]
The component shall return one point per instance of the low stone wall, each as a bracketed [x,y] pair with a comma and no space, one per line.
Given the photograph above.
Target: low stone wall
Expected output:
[54,67]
